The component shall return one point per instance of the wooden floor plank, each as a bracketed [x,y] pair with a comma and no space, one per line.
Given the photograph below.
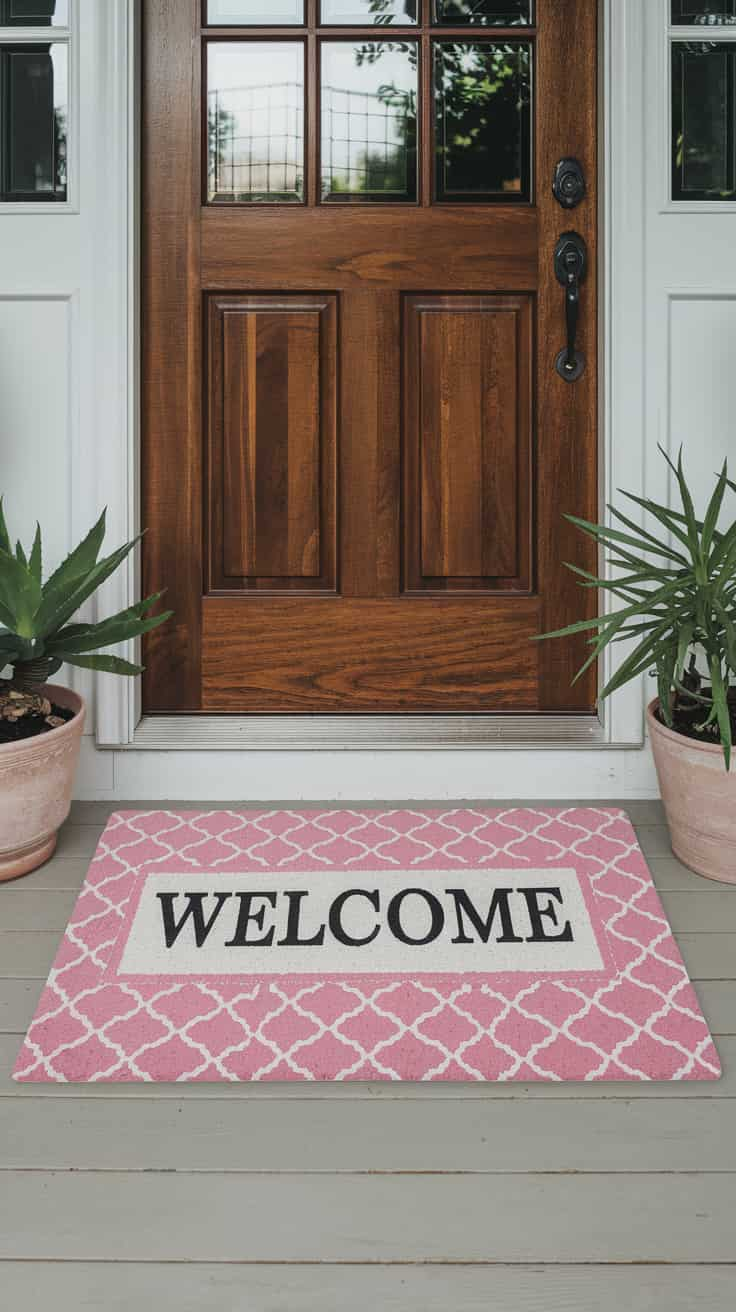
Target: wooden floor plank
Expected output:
[125,1287]
[402,1218]
[485,1137]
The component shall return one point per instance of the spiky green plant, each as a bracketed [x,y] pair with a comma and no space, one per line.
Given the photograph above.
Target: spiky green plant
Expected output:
[678,590]
[36,636]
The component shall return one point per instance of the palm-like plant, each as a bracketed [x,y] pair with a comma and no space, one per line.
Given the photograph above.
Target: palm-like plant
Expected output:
[678,591]
[36,636]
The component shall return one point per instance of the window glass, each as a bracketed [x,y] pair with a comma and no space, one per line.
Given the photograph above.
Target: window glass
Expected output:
[483,121]
[369,120]
[704,121]
[255,121]
[33,140]
[260,13]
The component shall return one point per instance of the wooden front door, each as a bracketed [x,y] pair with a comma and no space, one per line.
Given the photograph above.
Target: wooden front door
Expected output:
[357,449]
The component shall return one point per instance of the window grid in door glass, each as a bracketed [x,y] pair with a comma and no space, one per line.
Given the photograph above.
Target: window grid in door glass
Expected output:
[34,13]
[253,13]
[704,121]
[369,120]
[365,13]
[713,14]
[33,122]
[484,13]
[255,122]
[483,121]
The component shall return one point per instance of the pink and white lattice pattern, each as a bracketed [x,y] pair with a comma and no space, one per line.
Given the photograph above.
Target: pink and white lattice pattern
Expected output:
[640,1020]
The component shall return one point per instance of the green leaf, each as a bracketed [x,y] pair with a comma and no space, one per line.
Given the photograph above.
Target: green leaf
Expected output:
[57,608]
[35,563]
[720,703]
[4,535]
[76,566]
[109,635]
[652,507]
[20,554]
[20,595]
[669,519]
[713,512]
[611,536]
[108,664]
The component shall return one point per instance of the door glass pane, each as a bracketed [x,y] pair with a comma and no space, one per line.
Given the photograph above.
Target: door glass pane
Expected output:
[704,121]
[368,11]
[34,97]
[263,13]
[34,13]
[369,121]
[255,121]
[483,121]
[715,12]
[484,13]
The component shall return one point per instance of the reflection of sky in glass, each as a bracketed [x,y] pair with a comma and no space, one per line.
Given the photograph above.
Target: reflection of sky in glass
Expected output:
[61,77]
[224,12]
[256,113]
[364,116]
[368,11]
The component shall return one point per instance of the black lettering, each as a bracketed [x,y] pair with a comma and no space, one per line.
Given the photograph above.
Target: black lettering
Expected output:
[537,915]
[435,909]
[337,929]
[195,909]
[291,938]
[245,916]
[499,906]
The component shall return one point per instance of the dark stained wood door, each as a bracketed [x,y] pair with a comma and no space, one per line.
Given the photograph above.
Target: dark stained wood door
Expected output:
[357,452]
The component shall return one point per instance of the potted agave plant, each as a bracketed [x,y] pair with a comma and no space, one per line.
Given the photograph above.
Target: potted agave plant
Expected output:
[40,723]
[677,589]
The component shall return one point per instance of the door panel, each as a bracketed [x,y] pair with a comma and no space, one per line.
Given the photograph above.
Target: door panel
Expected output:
[467,448]
[271,429]
[370,656]
[357,452]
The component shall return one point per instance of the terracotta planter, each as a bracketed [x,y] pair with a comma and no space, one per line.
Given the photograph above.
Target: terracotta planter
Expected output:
[700,800]
[36,783]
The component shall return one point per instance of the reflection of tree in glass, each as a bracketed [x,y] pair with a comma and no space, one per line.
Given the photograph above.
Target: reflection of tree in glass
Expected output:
[60,149]
[484,92]
[503,13]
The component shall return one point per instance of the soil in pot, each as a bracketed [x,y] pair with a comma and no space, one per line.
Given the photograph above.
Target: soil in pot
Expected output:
[25,715]
[688,716]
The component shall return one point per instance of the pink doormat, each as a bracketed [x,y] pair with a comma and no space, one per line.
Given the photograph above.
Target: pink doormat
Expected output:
[349,945]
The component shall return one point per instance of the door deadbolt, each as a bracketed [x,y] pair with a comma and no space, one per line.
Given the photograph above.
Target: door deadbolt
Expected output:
[569,183]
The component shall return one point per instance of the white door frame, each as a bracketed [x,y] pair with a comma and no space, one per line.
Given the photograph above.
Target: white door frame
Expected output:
[119,723]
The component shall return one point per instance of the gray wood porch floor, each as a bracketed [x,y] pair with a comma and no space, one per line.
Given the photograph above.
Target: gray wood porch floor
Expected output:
[434,1198]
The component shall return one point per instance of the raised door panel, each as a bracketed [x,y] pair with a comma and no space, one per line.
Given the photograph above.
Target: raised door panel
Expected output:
[467,443]
[272,443]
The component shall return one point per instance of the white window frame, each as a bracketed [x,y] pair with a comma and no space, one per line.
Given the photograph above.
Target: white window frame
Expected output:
[672,35]
[68,36]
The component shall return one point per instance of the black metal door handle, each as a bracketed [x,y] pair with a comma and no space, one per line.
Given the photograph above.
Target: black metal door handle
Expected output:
[571,266]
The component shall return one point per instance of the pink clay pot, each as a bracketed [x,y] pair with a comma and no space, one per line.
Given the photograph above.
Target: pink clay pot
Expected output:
[36,783]
[699,797]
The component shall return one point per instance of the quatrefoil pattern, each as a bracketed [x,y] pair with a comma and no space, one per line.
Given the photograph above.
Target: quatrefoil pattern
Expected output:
[640,1020]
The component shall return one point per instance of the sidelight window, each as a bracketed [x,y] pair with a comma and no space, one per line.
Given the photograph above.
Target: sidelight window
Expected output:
[703,102]
[34,101]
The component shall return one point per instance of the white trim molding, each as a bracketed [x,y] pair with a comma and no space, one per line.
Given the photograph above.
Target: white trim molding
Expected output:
[622,458]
